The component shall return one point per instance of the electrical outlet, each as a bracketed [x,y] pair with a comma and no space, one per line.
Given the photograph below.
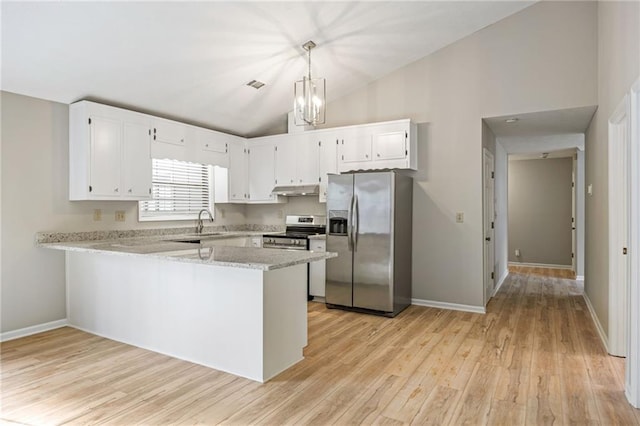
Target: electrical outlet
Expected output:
[280,214]
[517,252]
[119,215]
[222,213]
[97,215]
[459,217]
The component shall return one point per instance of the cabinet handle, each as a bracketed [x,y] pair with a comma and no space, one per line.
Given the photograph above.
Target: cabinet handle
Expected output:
[115,190]
[129,191]
[366,155]
[378,154]
[291,180]
[149,190]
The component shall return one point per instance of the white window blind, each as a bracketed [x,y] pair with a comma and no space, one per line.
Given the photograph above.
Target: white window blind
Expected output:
[179,190]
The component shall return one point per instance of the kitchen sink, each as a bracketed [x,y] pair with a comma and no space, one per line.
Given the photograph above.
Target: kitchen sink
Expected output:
[195,238]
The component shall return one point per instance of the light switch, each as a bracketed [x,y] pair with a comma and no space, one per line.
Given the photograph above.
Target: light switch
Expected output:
[97,215]
[590,189]
[459,217]
[119,215]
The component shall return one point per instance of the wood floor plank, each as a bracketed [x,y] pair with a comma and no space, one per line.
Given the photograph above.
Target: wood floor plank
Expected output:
[534,358]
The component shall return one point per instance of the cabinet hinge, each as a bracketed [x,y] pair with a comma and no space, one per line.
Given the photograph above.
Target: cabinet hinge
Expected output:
[319,143]
[336,141]
[572,220]
[90,188]
[406,152]
[343,158]
[572,255]
[276,180]
[226,147]
[573,184]
[492,276]
[320,179]
[89,121]
[491,225]
[149,132]
[493,175]
[276,148]
[406,135]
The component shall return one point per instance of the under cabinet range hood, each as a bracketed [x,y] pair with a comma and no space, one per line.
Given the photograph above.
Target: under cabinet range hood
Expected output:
[296,190]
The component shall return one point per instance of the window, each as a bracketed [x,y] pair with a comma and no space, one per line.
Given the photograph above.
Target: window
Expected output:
[179,190]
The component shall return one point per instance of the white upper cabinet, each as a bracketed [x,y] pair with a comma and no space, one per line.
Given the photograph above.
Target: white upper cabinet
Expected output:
[307,159]
[109,153]
[389,145]
[297,158]
[213,147]
[136,161]
[328,160]
[285,161]
[262,173]
[170,140]
[237,172]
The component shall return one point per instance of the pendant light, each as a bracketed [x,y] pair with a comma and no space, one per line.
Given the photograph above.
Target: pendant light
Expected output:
[309,96]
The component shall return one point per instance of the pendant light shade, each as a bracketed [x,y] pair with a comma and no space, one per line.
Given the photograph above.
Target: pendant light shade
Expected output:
[309,96]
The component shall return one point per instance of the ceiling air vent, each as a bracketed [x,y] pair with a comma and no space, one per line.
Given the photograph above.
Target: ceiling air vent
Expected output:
[255,84]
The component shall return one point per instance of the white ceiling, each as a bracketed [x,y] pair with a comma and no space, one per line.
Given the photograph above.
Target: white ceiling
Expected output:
[561,153]
[558,122]
[191,60]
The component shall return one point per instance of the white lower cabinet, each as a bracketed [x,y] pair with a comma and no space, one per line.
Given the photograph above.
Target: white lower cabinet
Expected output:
[317,273]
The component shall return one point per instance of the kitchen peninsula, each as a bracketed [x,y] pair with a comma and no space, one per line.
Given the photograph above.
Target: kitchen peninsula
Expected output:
[237,309]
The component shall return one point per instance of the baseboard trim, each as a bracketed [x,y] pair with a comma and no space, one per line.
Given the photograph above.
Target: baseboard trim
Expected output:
[596,321]
[580,278]
[34,329]
[541,265]
[450,306]
[503,277]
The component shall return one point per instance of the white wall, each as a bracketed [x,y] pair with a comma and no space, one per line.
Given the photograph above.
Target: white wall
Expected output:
[35,198]
[540,59]
[618,67]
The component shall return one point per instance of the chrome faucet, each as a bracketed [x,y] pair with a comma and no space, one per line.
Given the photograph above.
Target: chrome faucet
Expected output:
[199,224]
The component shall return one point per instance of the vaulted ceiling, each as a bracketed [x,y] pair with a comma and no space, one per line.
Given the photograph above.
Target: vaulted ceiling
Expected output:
[191,60]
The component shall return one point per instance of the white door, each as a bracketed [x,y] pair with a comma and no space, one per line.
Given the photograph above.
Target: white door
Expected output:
[618,228]
[488,207]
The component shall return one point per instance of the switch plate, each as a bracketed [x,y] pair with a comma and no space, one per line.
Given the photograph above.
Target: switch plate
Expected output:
[590,189]
[517,252]
[97,215]
[119,215]
[459,217]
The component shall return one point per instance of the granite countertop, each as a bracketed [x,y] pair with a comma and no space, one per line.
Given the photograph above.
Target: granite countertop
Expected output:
[166,247]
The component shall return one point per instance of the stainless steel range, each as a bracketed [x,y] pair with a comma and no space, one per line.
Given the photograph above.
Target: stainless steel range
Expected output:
[296,236]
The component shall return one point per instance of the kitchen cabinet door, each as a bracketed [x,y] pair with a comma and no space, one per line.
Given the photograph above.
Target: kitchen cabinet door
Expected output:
[328,161]
[170,140]
[389,146]
[307,160]
[212,147]
[237,172]
[105,146]
[317,272]
[261,172]
[285,160]
[136,160]
[355,146]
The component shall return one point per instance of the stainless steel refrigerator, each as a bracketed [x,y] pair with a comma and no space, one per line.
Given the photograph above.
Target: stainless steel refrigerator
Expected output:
[369,226]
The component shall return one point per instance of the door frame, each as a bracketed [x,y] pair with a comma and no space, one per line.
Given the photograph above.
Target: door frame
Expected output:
[618,158]
[632,363]
[488,211]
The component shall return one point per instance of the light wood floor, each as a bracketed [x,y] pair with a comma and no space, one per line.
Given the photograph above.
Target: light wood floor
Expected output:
[534,358]
[547,272]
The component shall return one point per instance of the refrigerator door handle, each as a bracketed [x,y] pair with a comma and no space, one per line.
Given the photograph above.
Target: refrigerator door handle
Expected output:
[356,216]
[350,225]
